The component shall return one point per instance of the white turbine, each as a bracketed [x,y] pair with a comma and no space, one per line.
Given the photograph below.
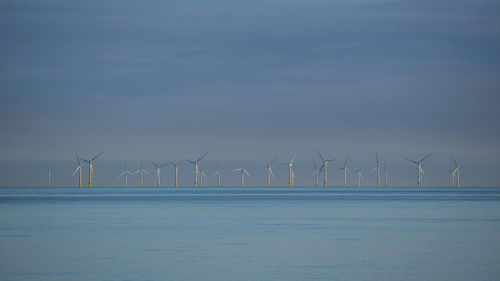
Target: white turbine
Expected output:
[360,175]
[385,174]
[315,172]
[377,168]
[346,170]
[202,175]
[290,172]
[323,166]
[49,173]
[420,171]
[91,167]
[456,172]
[125,173]
[158,167]
[218,172]
[270,171]
[141,171]
[196,162]
[79,170]
[176,165]
[243,172]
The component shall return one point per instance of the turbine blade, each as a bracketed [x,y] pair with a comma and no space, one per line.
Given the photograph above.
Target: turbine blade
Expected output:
[77,168]
[199,159]
[414,162]
[154,164]
[425,157]
[320,156]
[246,172]
[146,172]
[95,157]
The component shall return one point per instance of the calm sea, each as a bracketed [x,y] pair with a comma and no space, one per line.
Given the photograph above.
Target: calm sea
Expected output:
[303,233]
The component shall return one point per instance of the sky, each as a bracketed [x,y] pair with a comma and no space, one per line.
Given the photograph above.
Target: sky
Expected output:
[248,80]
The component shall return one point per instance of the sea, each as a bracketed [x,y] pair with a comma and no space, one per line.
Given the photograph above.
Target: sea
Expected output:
[250,233]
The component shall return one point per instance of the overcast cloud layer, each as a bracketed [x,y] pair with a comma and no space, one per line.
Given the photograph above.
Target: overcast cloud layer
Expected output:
[245,80]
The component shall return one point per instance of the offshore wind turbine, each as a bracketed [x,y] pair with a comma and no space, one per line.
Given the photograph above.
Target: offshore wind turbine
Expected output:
[294,168]
[377,168]
[141,171]
[456,172]
[79,170]
[420,171]
[243,172]
[218,172]
[323,166]
[385,173]
[316,172]
[346,170]
[158,167]
[176,165]
[196,163]
[91,167]
[49,173]
[270,171]
[290,172]
[360,175]
[125,173]
[202,175]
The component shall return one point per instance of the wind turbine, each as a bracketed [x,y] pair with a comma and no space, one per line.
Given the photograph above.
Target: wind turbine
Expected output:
[346,170]
[419,168]
[91,167]
[49,172]
[218,172]
[176,165]
[385,173]
[360,175]
[290,172]
[141,171]
[270,171]
[158,167]
[456,172]
[323,166]
[243,172]
[196,162]
[79,170]
[377,168]
[202,175]
[316,172]
[125,173]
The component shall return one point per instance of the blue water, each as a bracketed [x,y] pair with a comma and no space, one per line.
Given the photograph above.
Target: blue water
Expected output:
[250,234]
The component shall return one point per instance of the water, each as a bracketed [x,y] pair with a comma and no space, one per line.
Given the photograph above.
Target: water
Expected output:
[250,234]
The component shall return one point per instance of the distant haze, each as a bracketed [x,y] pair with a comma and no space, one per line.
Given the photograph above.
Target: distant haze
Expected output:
[248,80]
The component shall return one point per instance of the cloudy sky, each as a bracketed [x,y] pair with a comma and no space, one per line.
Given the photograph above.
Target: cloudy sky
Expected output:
[246,80]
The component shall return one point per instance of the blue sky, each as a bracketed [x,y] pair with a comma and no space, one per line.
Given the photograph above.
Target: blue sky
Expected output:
[248,80]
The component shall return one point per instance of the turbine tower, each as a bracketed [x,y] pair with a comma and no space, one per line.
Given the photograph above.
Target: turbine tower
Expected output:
[49,173]
[141,171]
[196,163]
[176,165]
[346,170]
[456,172]
[91,167]
[125,173]
[243,172]
[377,168]
[158,167]
[79,170]
[385,173]
[270,171]
[218,172]
[290,172]
[315,172]
[323,166]
[360,175]
[202,175]
[420,171]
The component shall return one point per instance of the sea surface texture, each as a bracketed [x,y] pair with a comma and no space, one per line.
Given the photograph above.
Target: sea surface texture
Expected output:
[234,233]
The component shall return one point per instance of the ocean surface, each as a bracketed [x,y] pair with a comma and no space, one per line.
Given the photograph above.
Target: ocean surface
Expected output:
[234,233]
